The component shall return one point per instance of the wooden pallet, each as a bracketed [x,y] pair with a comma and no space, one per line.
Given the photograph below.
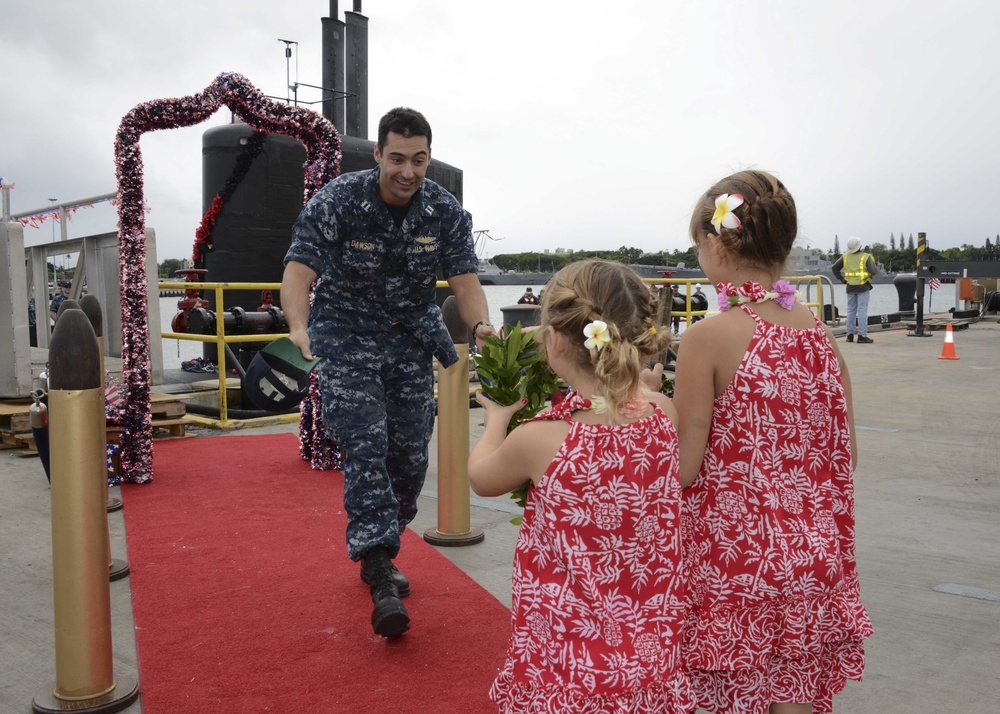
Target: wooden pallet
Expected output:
[172,427]
[166,406]
[15,423]
[25,442]
[14,417]
[15,427]
[162,428]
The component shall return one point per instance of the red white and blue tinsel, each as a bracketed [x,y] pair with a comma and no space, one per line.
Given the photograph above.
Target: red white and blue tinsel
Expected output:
[322,144]
[203,239]
[113,479]
[314,445]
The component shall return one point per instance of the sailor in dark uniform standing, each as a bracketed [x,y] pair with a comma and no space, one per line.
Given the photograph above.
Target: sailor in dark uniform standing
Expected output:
[373,241]
[59,298]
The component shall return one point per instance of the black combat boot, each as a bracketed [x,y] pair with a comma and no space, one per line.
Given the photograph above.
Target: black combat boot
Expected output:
[389,618]
[397,577]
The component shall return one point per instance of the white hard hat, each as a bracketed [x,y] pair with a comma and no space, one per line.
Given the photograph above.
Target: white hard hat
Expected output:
[853,244]
[697,286]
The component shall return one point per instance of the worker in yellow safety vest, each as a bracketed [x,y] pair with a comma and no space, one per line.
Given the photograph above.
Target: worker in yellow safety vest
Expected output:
[855,268]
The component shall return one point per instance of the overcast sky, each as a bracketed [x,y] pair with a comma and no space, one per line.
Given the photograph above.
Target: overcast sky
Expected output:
[585,125]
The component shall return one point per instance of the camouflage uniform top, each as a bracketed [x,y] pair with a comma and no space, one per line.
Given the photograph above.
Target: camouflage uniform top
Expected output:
[371,272]
[57,301]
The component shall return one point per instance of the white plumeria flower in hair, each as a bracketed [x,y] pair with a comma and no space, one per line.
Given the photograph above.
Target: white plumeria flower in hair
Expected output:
[597,335]
[725,204]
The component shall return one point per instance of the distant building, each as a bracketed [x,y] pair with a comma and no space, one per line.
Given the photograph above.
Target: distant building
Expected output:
[806,261]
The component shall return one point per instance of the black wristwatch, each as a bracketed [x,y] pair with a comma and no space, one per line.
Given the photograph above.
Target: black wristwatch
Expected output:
[475,328]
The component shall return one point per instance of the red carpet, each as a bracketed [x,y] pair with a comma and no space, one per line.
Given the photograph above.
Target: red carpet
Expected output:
[245,600]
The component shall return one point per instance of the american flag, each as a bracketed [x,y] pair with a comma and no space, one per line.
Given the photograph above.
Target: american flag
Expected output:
[111,395]
[934,283]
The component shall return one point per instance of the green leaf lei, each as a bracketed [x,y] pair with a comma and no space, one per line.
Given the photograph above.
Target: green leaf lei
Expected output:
[512,367]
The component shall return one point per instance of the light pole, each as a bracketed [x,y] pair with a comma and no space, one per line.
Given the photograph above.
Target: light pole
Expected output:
[55,277]
[288,77]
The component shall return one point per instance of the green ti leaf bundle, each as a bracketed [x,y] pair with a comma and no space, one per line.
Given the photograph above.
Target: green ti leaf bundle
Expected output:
[512,367]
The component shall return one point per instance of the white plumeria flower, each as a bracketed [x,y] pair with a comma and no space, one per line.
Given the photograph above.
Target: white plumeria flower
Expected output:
[598,405]
[725,204]
[597,335]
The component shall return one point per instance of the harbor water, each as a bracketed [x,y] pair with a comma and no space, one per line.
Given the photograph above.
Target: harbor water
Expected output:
[884,300]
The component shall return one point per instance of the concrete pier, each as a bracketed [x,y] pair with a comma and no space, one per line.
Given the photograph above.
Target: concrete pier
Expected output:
[928,514]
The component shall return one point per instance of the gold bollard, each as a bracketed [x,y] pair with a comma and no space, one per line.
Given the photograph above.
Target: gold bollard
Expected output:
[81,592]
[117,568]
[453,528]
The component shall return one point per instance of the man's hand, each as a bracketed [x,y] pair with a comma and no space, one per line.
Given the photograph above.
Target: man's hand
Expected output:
[483,330]
[300,338]
[472,305]
[295,284]
[652,379]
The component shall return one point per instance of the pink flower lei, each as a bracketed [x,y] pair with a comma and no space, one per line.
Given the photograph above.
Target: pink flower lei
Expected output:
[782,292]
[633,408]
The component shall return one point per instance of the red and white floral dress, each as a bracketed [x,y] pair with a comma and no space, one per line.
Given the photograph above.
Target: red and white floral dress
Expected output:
[598,604]
[775,613]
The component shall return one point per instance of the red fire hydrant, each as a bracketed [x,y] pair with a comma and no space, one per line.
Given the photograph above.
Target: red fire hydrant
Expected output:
[192,298]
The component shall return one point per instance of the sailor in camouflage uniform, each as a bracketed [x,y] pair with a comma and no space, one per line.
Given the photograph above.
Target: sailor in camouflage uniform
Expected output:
[373,242]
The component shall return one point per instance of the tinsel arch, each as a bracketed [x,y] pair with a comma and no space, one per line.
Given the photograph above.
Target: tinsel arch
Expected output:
[323,155]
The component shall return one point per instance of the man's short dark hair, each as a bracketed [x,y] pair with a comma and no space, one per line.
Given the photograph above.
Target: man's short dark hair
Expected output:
[403,121]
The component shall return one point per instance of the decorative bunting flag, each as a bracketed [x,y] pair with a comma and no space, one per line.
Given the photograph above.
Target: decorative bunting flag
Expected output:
[111,395]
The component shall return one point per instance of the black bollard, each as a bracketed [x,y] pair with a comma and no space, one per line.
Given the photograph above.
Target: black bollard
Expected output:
[527,315]
[91,307]
[85,679]
[68,304]
[117,568]
[906,288]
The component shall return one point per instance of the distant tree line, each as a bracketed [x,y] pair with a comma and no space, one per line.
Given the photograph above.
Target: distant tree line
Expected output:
[552,262]
[901,254]
[168,268]
[59,271]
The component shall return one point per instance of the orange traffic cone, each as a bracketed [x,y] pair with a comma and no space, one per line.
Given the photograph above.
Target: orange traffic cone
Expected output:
[948,349]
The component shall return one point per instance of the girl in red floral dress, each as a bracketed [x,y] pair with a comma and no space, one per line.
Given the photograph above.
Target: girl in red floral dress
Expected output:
[597,610]
[775,621]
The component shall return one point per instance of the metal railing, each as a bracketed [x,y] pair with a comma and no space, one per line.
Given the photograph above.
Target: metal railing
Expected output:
[687,313]
[220,339]
[816,305]
[819,303]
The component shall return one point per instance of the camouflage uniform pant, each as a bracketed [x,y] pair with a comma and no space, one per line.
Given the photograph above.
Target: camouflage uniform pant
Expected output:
[380,411]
